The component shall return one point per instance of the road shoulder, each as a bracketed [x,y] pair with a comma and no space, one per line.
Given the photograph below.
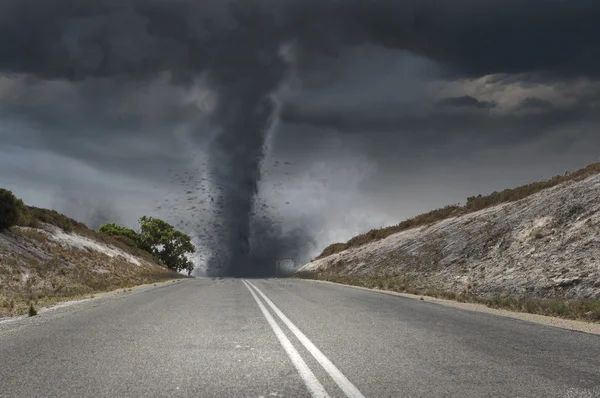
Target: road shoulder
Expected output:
[580,326]
[88,299]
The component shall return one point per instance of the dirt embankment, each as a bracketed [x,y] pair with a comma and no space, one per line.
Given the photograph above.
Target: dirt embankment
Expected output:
[46,265]
[543,247]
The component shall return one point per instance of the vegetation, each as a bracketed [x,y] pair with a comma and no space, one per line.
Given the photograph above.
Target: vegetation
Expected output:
[44,273]
[117,230]
[9,209]
[65,273]
[157,241]
[165,242]
[473,204]
[32,311]
[31,216]
[168,246]
[588,309]
[158,238]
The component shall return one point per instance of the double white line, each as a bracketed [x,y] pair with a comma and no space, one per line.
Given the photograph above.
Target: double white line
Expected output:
[312,383]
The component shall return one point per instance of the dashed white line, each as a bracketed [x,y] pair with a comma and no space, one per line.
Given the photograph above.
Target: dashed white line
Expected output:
[312,383]
[343,383]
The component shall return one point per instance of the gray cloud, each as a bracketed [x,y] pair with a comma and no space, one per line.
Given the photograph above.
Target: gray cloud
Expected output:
[137,38]
[92,211]
[479,38]
[383,123]
[535,104]
[466,101]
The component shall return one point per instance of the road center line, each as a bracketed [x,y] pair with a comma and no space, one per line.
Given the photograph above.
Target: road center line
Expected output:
[312,383]
[345,385]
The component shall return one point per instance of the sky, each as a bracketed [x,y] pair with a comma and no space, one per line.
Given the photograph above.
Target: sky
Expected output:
[268,130]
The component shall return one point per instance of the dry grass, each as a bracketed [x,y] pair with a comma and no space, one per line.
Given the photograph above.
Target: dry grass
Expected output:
[34,217]
[473,204]
[40,272]
[31,234]
[120,242]
[588,310]
[68,274]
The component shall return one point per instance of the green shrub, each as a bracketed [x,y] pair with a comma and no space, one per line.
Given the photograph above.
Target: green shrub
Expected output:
[9,209]
[26,219]
[32,311]
[113,229]
[36,215]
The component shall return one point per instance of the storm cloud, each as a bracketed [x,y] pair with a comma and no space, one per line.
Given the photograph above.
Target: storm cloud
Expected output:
[130,88]
[466,101]
[139,38]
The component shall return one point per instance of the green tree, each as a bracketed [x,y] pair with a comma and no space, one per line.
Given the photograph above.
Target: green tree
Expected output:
[9,209]
[164,241]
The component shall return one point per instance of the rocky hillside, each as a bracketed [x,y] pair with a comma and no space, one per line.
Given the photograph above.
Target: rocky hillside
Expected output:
[45,264]
[546,245]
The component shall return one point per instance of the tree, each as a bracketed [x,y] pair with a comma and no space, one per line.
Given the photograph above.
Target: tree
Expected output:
[165,242]
[9,209]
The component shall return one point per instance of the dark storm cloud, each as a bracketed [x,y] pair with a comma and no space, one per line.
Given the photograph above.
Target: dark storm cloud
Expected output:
[396,141]
[136,38]
[453,123]
[114,125]
[466,101]
[494,36]
[106,47]
[471,37]
[535,103]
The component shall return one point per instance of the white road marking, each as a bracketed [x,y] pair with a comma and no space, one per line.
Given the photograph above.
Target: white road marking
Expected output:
[346,386]
[312,383]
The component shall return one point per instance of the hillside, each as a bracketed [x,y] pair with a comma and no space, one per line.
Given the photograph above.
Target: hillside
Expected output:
[51,258]
[539,253]
[473,204]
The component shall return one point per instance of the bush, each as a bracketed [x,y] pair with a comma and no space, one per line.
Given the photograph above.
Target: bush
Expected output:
[26,219]
[9,209]
[37,215]
[117,230]
[32,311]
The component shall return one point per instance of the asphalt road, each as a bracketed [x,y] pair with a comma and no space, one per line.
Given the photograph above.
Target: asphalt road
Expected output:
[224,338]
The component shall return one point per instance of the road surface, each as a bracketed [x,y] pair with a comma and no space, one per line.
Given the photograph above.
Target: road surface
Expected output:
[287,338]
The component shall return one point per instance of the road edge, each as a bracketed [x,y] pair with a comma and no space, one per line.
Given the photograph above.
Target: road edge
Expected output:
[568,324]
[76,300]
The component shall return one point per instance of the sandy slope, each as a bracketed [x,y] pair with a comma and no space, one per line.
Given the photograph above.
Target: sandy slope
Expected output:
[546,245]
[45,265]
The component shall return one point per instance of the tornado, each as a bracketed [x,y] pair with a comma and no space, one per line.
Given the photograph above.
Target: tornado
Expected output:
[244,114]
[234,163]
